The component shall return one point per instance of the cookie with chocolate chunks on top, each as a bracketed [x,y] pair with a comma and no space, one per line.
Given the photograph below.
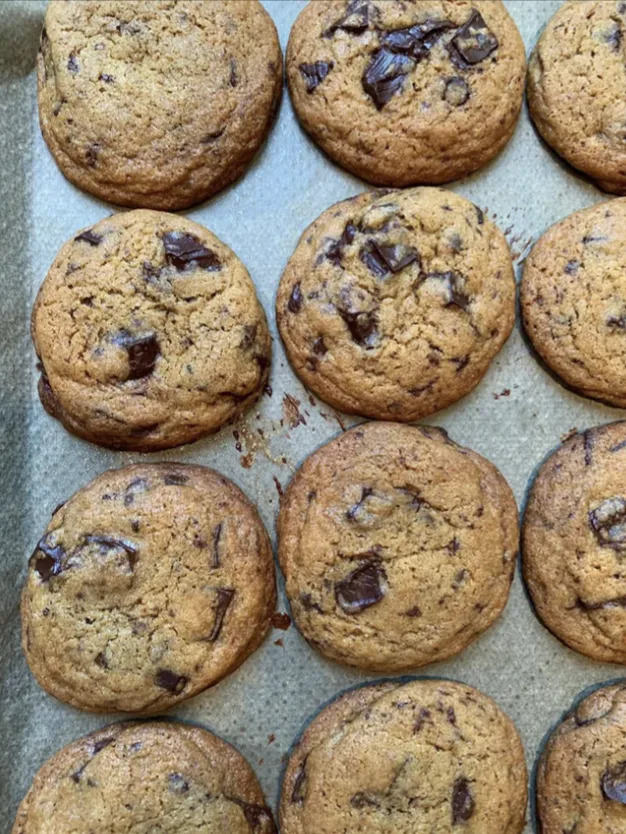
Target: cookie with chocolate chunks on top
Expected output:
[394,303]
[581,778]
[573,300]
[152,583]
[431,91]
[424,755]
[157,104]
[574,542]
[149,333]
[398,546]
[145,776]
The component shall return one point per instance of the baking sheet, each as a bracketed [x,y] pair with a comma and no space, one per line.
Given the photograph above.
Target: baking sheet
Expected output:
[515,416]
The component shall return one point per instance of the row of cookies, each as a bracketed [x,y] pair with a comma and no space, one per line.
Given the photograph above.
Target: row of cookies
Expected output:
[398,547]
[430,91]
[396,756]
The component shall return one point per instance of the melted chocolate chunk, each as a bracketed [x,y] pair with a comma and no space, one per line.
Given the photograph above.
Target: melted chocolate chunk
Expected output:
[416,41]
[294,305]
[608,523]
[618,446]
[307,603]
[183,251]
[90,237]
[107,543]
[360,589]
[588,446]
[572,267]
[480,214]
[384,76]
[72,64]
[314,74]
[362,800]
[456,91]
[177,783]
[473,42]
[224,599]
[108,79]
[370,256]
[136,486]
[175,479]
[319,347]
[298,794]
[51,562]
[91,154]
[614,37]
[616,322]
[234,79]
[255,815]
[354,509]
[169,680]
[395,257]
[335,251]
[451,282]
[355,21]
[424,715]
[143,352]
[614,783]
[217,535]
[362,327]
[101,744]
[462,801]
[101,661]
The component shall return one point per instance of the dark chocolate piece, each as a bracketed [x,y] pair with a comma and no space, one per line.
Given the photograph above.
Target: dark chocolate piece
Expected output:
[72,64]
[608,523]
[355,21]
[184,251]
[462,801]
[90,237]
[451,281]
[177,783]
[473,42]
[335,251]
[456,91]
[217,535]
[362,326]
[175,479]
[319,347]
[108,79]
[169,680]
[143,352]
[384,76]
[51,562]
[298,794]
[255,815]
[395,256]
[314,74]
[614,783]
[354,509]
[572,267]
[224,599]
[360,589]
[294,305]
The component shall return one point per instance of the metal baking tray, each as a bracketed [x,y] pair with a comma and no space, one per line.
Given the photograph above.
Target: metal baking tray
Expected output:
[515,416]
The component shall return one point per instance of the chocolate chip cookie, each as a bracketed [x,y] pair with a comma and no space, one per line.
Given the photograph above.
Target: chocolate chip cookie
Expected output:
[428,755]
[573,300]
[398,546]
[149,333]
[134,777]
[574,542]
[581,780]
[402,93]
[577,87]
[394,303]
[149,585]
[154,103]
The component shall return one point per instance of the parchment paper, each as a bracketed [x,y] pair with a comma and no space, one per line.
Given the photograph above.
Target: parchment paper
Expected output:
[515,417]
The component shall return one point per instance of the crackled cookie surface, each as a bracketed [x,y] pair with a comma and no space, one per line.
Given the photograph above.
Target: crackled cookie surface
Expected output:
[397,545]
[429,755]
[150,584]
[402,93]
[576,87]
[145,777]
[573,300]
[158,103]
[149,333]
[394,303]
[574,542]
[581,780]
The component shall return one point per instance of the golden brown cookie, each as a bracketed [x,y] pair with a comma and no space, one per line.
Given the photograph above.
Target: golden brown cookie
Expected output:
[149,333]
[394,303]
[574,542]
[398,546]
[576,87]
[145,777]
[149,585]
[573,300]
[402,93]
[427,755]
[156,103]
[581,779]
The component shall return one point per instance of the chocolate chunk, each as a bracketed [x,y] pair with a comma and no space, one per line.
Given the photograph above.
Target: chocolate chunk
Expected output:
[395,256]
[249,336]
[143,352]
[298,794]
[370,256]
[417,40]
[355,21]
[413,612]
[319,347]
[91,154]
[362,326]
[608,523]
[90,237]
[571,267]
[224,599]
[614,783]
[136,486]
[99,745]
[614,37]
[480,214]
[106,543]
[211,137]
[256,815]
[588,446]
[335,251]
[456,91]
[314,74]
[424,715]
[108,79]
[72,64]
[384,76]
[233,80]
[217,535]
[451,282]
[169,680]
[462,801]
[184,251]
[307,603]
[362,800]
[616,602]
[587,239]
[360,589]
[618,446]
[51,562]
[473,42]
[101,661]
[294,305]
[177,783]
[616,322]
[352,512]
[175,479]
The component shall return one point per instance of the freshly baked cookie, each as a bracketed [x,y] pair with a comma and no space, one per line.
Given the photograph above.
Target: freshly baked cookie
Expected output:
[149,585]
[149,333]
[398,546]
[394,303]
[574,542]
[140,777]
[402,93]
[573,300]
[428,755]
[577,88]
[581,780]
[156,103]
